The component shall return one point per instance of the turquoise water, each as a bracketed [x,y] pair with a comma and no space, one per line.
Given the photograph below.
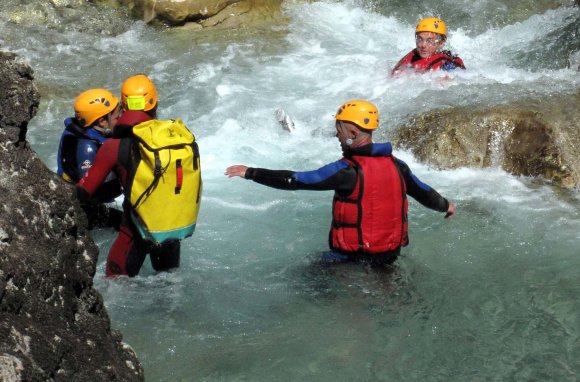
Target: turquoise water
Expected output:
[489,295]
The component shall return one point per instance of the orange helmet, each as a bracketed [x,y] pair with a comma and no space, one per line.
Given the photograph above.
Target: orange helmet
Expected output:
[432,24]
[138,93]
[362,113]
[93,104]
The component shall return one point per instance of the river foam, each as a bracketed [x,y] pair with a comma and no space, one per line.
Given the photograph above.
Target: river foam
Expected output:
[251,300]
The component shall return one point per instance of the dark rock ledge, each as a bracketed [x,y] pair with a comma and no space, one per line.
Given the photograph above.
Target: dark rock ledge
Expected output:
[53,324]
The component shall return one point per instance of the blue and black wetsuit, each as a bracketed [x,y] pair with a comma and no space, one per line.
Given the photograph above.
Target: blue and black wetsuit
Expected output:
[342,177]
[76,154]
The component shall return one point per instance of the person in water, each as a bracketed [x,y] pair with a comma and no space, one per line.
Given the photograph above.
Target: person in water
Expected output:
[128,252]
[369,209]
[430,37]
[96,114]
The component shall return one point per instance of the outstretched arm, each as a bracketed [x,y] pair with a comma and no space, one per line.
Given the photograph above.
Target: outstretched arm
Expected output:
[423,193]
[281,179]
[236,170]
[338,176]
[450,210]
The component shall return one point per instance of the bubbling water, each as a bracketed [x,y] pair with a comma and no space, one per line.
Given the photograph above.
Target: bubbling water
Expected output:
[250,300]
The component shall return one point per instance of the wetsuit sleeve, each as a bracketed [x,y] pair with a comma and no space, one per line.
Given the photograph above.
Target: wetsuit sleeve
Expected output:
[338,176]
[420,191]
[105,161]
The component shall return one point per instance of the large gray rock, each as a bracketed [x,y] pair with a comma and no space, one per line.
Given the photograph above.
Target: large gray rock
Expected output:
[53,324]
[532,138]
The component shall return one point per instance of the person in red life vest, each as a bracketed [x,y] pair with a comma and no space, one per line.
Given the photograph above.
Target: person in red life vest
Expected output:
[430,36]
[369,209]
[128,252]
[96,114]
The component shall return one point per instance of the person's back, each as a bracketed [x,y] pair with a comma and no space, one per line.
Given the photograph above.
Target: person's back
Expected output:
[163,189]
[96,113]
[372,219]
[139,99]
[429,55]
[162,163]
[369,221]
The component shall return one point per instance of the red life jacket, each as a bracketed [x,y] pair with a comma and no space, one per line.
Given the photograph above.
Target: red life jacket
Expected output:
[373,218]
[425,64]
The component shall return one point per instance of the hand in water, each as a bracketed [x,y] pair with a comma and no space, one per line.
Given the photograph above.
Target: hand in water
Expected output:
[450,210]
[236,170]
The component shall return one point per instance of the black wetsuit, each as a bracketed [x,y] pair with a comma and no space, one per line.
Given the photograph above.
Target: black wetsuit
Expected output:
[341,177]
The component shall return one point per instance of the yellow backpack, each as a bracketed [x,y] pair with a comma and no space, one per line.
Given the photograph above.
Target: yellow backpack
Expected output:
[164,179]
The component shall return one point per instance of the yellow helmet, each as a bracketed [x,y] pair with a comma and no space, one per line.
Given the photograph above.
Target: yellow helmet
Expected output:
[93,104]
[138,93]
[362,113]
[432,24]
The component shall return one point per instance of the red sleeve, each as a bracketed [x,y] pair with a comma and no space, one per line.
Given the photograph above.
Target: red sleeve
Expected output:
[105,161]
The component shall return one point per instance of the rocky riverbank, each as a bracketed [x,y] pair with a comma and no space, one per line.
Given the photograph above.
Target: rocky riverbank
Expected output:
[53,324]
[200,14]
[109,17]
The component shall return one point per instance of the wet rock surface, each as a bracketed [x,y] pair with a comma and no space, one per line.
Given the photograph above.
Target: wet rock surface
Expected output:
[201,14]
[53,324]
[110,17]
[67,15]
[539,138]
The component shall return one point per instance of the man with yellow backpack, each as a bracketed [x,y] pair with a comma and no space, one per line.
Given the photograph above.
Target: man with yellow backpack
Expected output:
[159,168]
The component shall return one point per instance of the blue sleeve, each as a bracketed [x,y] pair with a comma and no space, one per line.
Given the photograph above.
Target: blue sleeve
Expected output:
[338,176]
[322,174]
[412,180]
[86,152]
[421,192]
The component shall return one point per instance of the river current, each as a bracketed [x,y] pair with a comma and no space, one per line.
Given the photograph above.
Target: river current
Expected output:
[489,295]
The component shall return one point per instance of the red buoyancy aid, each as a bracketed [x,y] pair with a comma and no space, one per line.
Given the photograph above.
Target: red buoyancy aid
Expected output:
[434,62]
[373,218]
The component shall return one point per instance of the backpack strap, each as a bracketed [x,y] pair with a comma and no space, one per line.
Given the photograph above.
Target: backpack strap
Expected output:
[158,172]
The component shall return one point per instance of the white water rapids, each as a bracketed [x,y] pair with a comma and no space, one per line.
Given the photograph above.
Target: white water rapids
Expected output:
[491,294]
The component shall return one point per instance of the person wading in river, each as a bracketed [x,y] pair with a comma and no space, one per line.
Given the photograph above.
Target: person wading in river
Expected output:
[369,209]
[430,36]
[173,170]
[96,114]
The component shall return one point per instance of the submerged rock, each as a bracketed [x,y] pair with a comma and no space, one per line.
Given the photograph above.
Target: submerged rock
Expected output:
[53,324]
[532,138]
